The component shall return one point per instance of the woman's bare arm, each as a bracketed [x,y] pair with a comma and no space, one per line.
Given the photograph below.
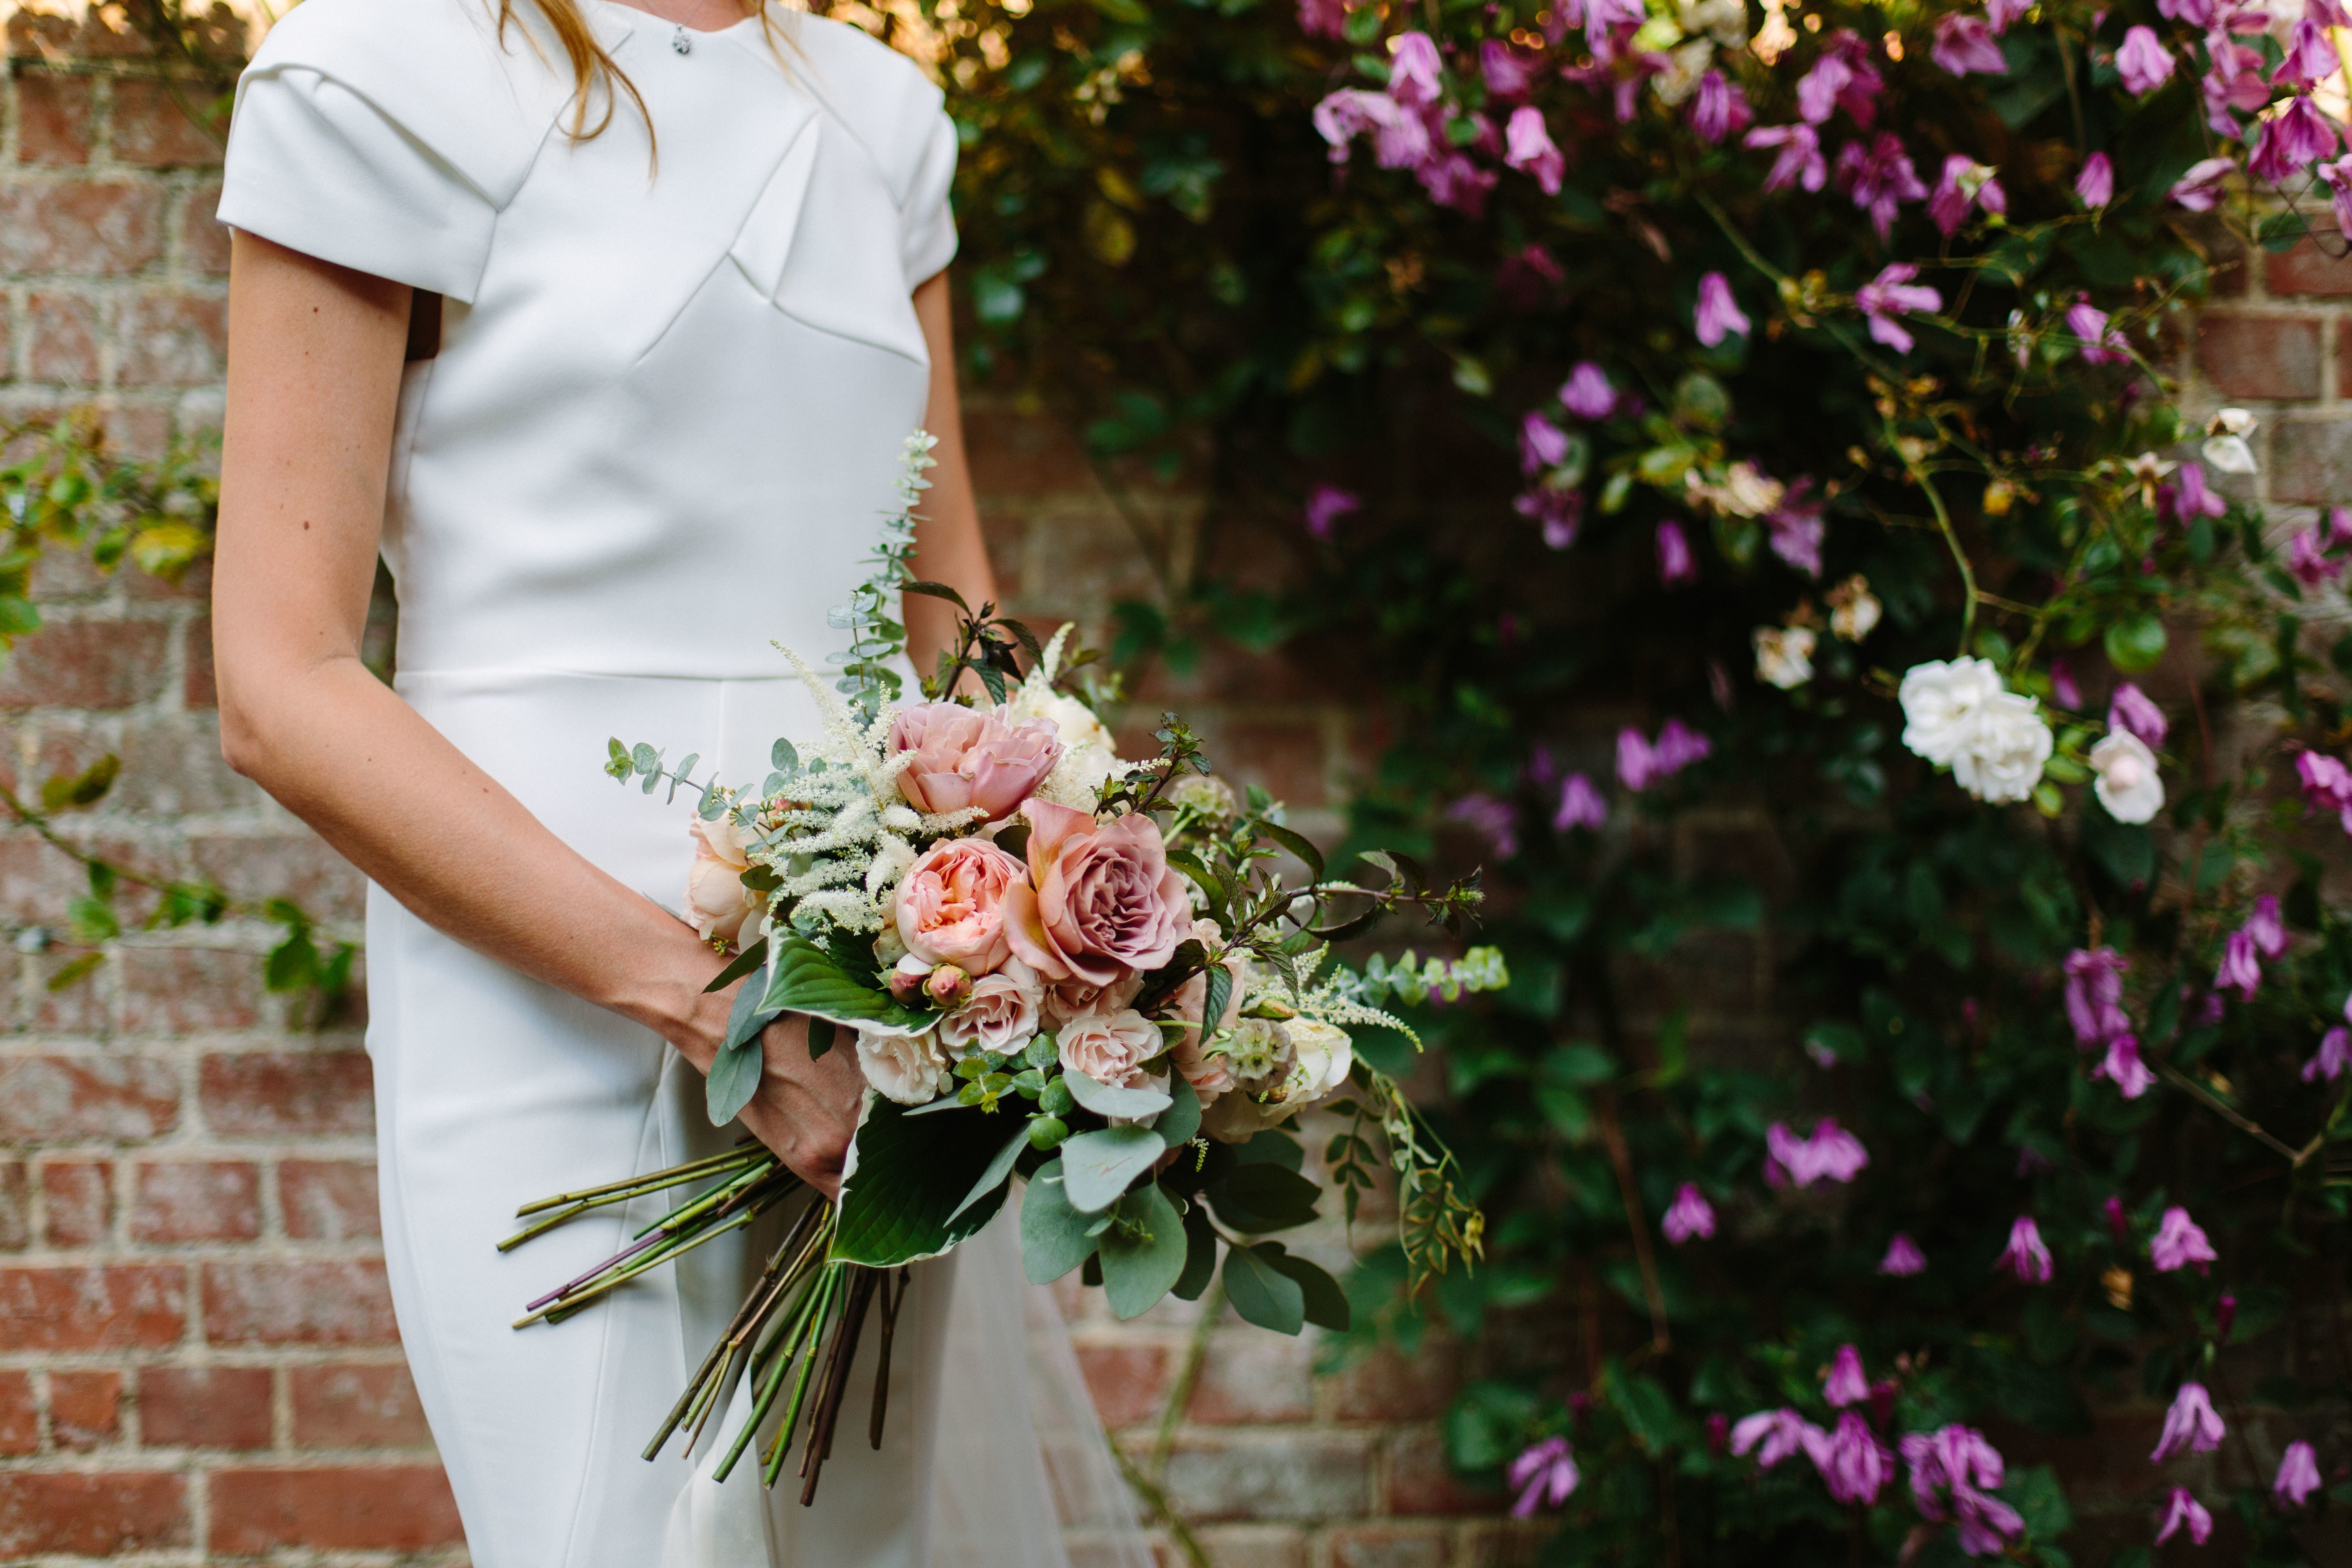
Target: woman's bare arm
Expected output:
[948,547]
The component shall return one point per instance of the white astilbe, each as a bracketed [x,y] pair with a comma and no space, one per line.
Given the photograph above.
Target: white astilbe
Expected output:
[1337,998]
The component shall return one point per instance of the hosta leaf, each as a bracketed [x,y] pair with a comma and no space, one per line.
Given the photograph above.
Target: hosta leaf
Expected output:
[903,1199]
[804,978]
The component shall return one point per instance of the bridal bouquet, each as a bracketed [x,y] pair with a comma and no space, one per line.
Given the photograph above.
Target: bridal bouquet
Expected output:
[1053,963]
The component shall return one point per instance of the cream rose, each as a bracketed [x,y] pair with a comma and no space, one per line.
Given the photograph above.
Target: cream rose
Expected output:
[1108,1047]
[950,906]
[716,899]
[1087,755]
[2001,760]
[908,1068]
[1784,656]
[2128,784]
[1000,1017]
[1942,703]
[1301,1063]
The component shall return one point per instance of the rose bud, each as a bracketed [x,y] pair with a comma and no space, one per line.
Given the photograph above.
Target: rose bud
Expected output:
[906,981]
[948,987]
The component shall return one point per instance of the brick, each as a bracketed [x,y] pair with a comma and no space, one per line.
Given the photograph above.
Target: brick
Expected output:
[61,342]
[404,1508]
[357,1407]
[15,1206]
[1254,1546]
[297,866]
[85,1408]
[204,238]
[1251,1377]
[1388,1546]
[1258,1476]
[1421,1481]
[1023,455]
[329,1200]
[2271,357]
[118,1098]
[119,1307]
[192,1200]
[1386,1387]
[20,1414]
[201,687]
[85,663]
[170,340]
[1287,758]
[78,1199]
[90,1515]
[154,130]
[81,1006]
[172,766]
[2312,462]
[183,990]
[304,1303]
[1128,1382]
[53,119]
[286,1094]
[2307,269]
[204,1407]
[86,227]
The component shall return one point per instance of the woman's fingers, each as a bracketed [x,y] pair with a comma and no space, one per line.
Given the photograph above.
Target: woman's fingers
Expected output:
[806,1110]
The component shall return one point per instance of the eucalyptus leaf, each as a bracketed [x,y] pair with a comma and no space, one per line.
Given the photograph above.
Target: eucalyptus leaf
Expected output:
[734,1079]
[1143,1254]
[1109,1100]
[1180,1122]
[1097,1166]
[1055,1237]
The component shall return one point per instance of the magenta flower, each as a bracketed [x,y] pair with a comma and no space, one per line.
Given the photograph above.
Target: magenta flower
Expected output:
[1491,820]
[1719,107]
[1542,444]
[1854,1465]
[1675,563]
[2194,12]
[2199,190]
[2298,1475]
[1847,1382]
[1964,184]
[1800,161]
[1453,181]
[2131,710]
[1957,1462]
[2291,141]
[1818,90]
[2143,63]
[2190,1427]
[1547,1473]
[1719,314]
[2326,784]
[1509,72]
[2238,966]
[2122,1067]
[2338,174]
[1587,392]
[1831,1154]
[2025,1256]
[2306,558]
[2102,345]
[1798,528]
[2062,689]
[1690,1215]
[2094,992]
[2232,85]
[1964,44]
[1414,70]
[1528,147]
[2310,58]
[1580,804]
[2334,1057]
[1322,18]
[2180,1509]
[1679,746]
[2001,13]
[2116,1224]
[2179,1242]
[2267,927]
[1891,293]
[1903,1257]
[1558,511]
[1637,761]
[1327,506]
[1773,1434]
[2095,187]
[1879,179]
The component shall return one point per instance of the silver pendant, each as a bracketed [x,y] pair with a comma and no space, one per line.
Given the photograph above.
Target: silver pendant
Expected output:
[681,42]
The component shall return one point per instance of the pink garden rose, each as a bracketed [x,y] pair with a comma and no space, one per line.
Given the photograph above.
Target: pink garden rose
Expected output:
[1075,998]
[1110,1048]
[969,756]
[952,905]
[1100,901]
[716,899]
[1000,1017]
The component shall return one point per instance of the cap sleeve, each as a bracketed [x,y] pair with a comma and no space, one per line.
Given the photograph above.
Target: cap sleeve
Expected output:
[926,226]
[386,135]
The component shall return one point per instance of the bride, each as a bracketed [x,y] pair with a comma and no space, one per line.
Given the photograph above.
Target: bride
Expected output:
[604,323]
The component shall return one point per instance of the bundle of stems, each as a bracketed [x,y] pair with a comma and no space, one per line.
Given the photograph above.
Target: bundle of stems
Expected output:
[797,1330]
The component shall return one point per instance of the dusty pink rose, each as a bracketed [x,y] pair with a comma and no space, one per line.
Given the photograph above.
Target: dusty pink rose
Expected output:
[1076,998]
[1110,1048]
[1100,899]
[968,756]
[1210,1075]
[952,905]
[1002,1015]
[717,902]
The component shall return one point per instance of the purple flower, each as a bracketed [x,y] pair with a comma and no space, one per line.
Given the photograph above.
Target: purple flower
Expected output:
[2266,926]
[1547,1473]
[2238,966]
[2298,1475]
[1719,107]
[1542,444]
[1413,70]
[2180,1509]
[1847,1384]
[2306,558]
[2095,187]
[1773,1434]
[1675,563]
[1890,293]
[1879,180]
[2116,1224]
[1581,805]
[1719,314]
[1528,147]
[2339,525]
[1322,18]
[1491,820]
[1956,1460]
[2123,1068]
[2025,1256]
[1679,746]
[2310,58]
[2338,174]
[2062,685]
[2334,1059]
[1831,1154]
[1964,184]
[1327,506]
[2001,13]
[1558,510]
[1798,529]
[1964,44]
[2291,141]
[1854,1465]
[2190,1427]
[2326,784]
[2179,1242]
[2131,710]
[1637,762]
[2102,345]
[2143,64]
[2199,190]
[1903,1257]
[2194,12]
[1587,392]
[1690,1215]
[1509,72]
[1800,161]
[1818,90]
[2094,993]
[1718,1431]
[2187,495]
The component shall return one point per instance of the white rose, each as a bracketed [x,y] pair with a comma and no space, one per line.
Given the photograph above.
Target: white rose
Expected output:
[1940,704]
[1000,1017]
[1087,754]
[1853,609]
[2128,784]
[908,1068]
[1784,656]
[2001,760]
[1325,1055]
[1303,1062]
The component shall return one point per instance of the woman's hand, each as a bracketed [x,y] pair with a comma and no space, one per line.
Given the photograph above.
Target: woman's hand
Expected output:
[807,1111]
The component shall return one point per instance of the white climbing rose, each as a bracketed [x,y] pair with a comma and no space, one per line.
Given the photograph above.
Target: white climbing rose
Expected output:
[1999,759]
[1941,702]
[2128,784]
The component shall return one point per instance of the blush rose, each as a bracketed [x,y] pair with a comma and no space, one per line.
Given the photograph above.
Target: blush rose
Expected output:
[716,899]
[967,757]
[1100,901]
[950,908]
[1000,1017]
[1108,1047]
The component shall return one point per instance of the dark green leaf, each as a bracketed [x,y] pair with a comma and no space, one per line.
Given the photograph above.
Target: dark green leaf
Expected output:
[902,1202]
[1262,1293]
[1323,1304]
[1143,1252]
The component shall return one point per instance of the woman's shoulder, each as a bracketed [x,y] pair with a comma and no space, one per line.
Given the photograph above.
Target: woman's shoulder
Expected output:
[879,95]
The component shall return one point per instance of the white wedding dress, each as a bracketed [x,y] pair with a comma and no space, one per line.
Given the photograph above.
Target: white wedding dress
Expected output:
[664,417]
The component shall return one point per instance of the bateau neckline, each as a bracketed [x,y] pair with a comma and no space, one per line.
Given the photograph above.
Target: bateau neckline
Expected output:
[642,14]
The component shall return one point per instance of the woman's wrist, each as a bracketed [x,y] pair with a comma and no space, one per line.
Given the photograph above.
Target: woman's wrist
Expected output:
[671,1000]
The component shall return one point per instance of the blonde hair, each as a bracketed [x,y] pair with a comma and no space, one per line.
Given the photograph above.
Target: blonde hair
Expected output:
[594,73]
